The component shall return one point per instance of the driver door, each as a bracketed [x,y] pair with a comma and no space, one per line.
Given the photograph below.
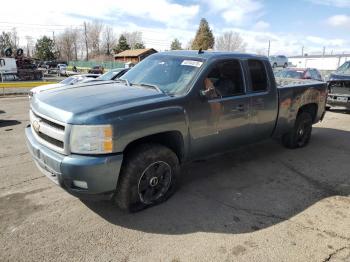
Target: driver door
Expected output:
[221,119]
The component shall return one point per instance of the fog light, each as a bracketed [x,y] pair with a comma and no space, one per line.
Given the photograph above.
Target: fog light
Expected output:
[80,184]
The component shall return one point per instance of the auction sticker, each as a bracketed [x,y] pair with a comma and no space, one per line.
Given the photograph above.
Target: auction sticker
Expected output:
[192,63]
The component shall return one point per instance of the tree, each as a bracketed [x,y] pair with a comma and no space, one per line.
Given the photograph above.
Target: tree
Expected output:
[8,40]
[139,46]
[86,41]
[65,43]
[175,45]
[122,45]
[45,49]
[134,39]
[94,34]
[230,41]
[204,38]
[108,39]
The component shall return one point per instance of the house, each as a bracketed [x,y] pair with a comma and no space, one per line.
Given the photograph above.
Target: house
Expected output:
[134,56]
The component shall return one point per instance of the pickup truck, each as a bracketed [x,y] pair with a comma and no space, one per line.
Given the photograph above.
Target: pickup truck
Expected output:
[339,87]
[126,140]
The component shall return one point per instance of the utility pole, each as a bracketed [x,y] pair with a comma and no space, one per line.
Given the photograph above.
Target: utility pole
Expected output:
[268,50]
[324,50]
[302,51]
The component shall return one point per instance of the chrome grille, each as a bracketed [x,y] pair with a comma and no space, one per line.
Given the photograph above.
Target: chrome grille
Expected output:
[48,132]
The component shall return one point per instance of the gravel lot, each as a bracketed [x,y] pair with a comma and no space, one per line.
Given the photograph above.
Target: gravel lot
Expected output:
[259,203]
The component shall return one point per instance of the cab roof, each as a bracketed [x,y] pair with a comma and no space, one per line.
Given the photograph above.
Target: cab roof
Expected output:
[211,54]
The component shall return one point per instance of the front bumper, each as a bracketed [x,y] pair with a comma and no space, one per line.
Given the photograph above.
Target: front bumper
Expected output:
[338,100]
[99,172]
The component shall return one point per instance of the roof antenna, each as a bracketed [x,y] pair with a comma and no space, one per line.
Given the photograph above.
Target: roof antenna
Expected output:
[200,51]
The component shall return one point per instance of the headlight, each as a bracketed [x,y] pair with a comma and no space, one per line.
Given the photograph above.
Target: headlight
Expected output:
[86,139]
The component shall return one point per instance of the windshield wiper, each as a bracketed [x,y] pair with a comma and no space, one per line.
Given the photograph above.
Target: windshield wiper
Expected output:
[152,86]
[123,80]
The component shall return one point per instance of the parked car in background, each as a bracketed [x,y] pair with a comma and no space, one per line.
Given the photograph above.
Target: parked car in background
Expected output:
[308,73]
[72,80]
[110,75]
[278,61]
[96,70]
[62,70]
[339,87]
[126,141]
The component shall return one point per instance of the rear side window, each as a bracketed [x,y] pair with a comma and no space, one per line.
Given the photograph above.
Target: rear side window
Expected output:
[258,75]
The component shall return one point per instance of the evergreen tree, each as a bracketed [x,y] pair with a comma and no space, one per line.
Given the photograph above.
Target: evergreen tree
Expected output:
[139,46]
[122,44]
[204,38]
[45,49]
[175,45]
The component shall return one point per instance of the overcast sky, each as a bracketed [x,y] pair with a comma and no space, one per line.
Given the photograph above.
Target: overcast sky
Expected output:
[288,24]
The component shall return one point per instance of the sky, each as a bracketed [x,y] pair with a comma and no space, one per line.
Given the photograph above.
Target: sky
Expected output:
[288,25]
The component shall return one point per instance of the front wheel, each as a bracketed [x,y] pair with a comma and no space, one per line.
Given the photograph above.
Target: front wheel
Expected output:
[148,177]
[300,135]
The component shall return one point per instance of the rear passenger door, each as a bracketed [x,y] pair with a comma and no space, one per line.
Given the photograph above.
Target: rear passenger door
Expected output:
[263,98]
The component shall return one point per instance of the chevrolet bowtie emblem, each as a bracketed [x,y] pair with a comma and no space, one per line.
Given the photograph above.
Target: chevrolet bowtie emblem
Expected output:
[36,125]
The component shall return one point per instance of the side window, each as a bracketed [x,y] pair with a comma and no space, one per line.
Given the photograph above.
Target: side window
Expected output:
[225,80]
[308,74]
[258,75]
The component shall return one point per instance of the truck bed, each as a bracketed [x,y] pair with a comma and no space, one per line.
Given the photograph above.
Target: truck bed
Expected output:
[293,94]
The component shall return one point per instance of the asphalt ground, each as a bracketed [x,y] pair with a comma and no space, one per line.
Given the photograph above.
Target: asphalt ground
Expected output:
[259,203]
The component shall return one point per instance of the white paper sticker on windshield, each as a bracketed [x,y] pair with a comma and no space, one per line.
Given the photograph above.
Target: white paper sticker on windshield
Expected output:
[192,63]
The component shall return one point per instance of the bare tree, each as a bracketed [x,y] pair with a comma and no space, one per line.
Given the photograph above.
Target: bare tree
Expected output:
[30,45]
[94,35]
[86,41]
[14,38]
[65,43]
[76,35]
[108,39]
[133,38]
[230,41]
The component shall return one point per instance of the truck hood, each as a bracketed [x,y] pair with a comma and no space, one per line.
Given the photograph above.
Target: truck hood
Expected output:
[336,76]
[89,104]
[42,88]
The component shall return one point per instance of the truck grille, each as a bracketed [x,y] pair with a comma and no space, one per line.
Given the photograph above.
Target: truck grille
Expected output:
[48,132]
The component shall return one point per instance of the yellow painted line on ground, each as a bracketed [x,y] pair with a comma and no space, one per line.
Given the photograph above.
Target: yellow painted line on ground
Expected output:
[24,84]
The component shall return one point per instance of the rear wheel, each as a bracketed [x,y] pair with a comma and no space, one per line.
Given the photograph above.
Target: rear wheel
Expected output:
[274,65]
[285,65]
[148,177]
[300,135]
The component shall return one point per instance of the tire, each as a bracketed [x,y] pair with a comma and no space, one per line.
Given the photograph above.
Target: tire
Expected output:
[19,52]
[300,135]
[8,52]
[274,65]
[285,65]
[140,186]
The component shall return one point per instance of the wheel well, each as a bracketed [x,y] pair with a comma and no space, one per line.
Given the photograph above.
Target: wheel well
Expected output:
[310,108]
[171,139]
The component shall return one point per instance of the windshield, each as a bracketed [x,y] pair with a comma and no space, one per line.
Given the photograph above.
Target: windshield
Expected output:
[291,74]
[344,69]
[68,80]
[109,75]
[171,74]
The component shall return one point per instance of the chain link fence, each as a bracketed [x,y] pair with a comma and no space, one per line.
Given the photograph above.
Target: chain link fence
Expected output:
[89,64]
